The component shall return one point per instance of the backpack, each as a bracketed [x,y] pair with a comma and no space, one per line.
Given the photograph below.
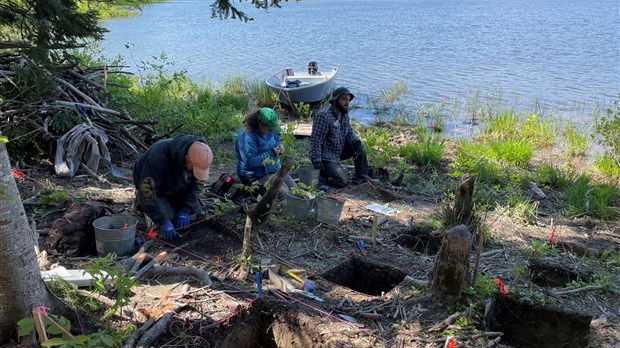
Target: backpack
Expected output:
[226,185]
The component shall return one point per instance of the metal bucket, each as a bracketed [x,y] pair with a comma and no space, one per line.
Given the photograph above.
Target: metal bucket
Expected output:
[328,210]
[115,234]
[298,207]
[308,175]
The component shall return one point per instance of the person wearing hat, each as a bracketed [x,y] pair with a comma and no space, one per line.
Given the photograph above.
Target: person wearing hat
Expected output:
[166,181]
[258,149]
[332,140]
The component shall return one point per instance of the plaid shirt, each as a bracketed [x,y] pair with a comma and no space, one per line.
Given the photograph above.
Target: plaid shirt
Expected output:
[329,135]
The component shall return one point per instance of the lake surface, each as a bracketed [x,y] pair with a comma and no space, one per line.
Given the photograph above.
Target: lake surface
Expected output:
[556,55]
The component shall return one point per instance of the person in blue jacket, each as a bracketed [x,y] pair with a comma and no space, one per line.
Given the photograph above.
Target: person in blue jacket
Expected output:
[258,149]
[166,178]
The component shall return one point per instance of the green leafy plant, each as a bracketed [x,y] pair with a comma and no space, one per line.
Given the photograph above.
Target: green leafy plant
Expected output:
[104,270]
[302,109]
[538,249]
[606,165]
[61,328]
[379,149]
[304,191]
[608,131]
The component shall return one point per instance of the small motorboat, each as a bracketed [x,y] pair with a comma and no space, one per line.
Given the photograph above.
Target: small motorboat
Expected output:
[311,86]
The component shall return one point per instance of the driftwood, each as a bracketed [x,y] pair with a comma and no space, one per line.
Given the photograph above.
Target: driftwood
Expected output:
[264,208]
[449,274]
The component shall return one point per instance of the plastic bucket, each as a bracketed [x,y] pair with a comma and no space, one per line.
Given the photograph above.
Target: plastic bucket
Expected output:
[115,234]
[308,175]
[298,207]
[328,210]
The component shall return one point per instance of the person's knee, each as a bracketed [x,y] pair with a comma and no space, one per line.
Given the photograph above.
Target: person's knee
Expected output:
[338,179]
[358,148]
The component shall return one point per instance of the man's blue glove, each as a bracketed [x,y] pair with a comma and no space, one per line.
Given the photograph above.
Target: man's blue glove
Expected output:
[168,230]
[181,220]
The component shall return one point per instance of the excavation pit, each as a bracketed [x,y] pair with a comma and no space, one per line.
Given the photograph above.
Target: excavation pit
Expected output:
[268,325]
[421,240]
[552,276]
[364,276]
[527,325]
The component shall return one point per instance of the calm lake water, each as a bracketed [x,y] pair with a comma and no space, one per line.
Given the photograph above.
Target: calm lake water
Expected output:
[560,55]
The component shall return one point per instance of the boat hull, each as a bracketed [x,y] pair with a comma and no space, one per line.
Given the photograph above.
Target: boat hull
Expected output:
[294,87]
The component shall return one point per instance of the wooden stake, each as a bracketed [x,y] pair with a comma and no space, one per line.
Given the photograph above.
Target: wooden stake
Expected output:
[375,221]
[39,325]
[245,251]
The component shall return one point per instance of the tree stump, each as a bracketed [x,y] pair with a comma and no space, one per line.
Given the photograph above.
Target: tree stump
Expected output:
[463,210]
[449,274]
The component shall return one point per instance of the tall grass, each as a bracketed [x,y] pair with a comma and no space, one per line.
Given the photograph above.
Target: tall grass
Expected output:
[554,177]
[426,151]
[575,141]
[516,152]
[533,128]
[260,94]
[503,125]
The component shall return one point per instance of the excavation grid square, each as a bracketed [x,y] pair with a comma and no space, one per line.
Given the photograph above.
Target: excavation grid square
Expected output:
[364,276]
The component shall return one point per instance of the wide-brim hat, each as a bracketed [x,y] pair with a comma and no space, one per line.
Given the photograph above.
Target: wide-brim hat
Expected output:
[338,92]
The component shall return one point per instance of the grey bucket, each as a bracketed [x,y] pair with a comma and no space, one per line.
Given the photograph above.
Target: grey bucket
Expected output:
[115,234]
[328,210]
[298,207]
[308,175]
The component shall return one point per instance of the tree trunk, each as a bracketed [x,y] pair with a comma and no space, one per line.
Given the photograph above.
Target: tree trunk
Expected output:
[463,210]
[264,208]
[449,274]
[21,286]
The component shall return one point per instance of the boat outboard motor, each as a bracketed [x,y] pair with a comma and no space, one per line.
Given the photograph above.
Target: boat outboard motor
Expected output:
[313,68]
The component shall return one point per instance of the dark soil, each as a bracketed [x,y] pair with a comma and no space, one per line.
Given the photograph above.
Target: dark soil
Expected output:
[366,283]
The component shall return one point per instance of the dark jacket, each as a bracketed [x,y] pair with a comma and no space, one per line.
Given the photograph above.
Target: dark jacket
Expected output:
[161,174]
[252,148]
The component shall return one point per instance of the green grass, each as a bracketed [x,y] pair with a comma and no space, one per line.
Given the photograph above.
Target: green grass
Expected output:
[607,166]
[426,151]
[577,195]
[604,201]
[575,141]
[380,151]
[516,152]
[539,130]
[554,177]
[504,125]
[260,94]
[521,208]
